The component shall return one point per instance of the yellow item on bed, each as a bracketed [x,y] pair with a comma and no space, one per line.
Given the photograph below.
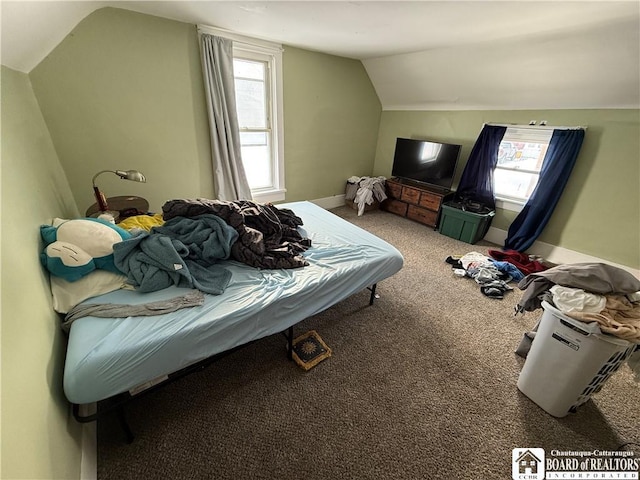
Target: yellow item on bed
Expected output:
[145,222]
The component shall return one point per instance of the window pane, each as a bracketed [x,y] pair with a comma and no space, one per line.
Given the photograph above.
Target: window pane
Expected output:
[251,94]
[248,69]
[254,139]
[257,73]
[521,155]
[256,158]
[509,183]
[251,103]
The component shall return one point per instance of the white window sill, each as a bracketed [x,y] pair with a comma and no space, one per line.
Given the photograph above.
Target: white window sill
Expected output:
[269,196]
[512,205]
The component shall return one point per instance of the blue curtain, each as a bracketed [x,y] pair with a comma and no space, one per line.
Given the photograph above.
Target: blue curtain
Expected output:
[476,182]
[556,168]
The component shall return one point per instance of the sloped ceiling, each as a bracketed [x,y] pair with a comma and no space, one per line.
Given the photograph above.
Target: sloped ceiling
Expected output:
[594,67]
[419,55]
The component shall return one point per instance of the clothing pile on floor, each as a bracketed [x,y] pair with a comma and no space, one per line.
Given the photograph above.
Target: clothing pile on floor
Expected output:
[589,292]
[495,271]
[527,264]
[364,190]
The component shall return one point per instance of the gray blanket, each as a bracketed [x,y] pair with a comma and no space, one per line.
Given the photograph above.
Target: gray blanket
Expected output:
[267,235]
[183,252]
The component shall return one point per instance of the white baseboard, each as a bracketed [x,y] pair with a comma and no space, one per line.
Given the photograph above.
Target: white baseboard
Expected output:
[89,444]
[89,460]
[330,202]
[555,254]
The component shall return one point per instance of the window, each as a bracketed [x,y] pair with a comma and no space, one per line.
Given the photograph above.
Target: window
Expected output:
[257,68]
[257,102]
[520,158]
[254,118]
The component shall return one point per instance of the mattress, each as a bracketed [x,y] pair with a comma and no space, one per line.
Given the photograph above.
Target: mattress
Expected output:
[108,356]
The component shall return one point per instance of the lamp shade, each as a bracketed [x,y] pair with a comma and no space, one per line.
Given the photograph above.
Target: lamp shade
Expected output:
[133,175]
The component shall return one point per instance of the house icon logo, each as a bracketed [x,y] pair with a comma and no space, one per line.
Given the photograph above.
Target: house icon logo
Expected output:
[527,463]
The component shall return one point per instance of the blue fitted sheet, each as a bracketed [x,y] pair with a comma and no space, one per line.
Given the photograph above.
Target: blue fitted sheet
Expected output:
[108,356]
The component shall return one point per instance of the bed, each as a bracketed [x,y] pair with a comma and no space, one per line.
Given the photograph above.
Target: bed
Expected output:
[110,360]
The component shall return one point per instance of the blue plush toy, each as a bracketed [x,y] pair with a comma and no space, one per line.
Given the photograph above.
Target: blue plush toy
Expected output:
[77,247]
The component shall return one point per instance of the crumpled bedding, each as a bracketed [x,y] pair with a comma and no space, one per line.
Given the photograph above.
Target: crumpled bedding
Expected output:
[183,252]
[141,222]
[267,236]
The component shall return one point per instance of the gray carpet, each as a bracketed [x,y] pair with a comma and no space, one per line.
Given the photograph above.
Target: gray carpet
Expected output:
[421,385]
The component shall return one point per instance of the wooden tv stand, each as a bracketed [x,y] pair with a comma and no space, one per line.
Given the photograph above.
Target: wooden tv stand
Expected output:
[416,202]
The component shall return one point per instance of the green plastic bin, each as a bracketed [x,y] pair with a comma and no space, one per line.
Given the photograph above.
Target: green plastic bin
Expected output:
[462,225]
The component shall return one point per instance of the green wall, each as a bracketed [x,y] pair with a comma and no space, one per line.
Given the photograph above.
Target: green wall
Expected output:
[599,212]
[331,116]
[39,438]
[124,90]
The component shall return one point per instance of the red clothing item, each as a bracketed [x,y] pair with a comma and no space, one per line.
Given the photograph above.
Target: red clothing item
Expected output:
[520,260]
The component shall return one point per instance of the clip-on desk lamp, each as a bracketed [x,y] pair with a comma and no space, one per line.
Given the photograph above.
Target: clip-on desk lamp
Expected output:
[123,203]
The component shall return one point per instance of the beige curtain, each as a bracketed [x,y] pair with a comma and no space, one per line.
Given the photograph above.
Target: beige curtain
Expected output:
[230,180]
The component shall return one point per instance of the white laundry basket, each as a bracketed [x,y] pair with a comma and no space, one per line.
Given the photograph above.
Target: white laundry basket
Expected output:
[569,361]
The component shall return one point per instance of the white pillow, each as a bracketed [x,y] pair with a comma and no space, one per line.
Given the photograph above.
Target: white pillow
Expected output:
[67,295]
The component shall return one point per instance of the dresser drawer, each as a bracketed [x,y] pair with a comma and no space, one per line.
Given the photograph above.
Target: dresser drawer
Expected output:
[394,190]
[410,195]
[419,203]
[429,200]
[395,206]
[422,215]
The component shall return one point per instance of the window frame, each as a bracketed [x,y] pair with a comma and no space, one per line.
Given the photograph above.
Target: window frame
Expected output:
[271,53]
[525,134]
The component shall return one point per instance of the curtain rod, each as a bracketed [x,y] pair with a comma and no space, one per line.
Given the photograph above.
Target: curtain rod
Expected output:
[537,127]
[237,37]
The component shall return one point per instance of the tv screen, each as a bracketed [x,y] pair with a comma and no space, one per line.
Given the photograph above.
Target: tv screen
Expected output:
[426,162]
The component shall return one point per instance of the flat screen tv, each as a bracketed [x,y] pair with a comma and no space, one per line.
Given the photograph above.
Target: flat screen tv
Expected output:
[426,162]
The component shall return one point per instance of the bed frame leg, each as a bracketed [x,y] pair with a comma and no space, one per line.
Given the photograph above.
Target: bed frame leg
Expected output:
[373,293]
[289,332]
[125,425]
